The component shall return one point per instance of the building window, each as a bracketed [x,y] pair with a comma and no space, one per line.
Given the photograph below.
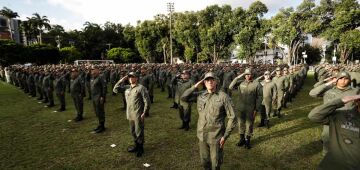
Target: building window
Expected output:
[3,22]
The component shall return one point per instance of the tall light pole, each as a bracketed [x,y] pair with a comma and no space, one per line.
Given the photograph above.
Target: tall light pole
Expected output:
[170,7]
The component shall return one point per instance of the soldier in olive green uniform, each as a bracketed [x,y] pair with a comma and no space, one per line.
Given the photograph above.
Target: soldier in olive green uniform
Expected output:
[49,88]
[229,75]
[184,107]
[138,103]
[343,115]
[60,86]
[249,101]
[329,91]
[282,87]
[77,91]
[213,107]
[269,96]
[98,93]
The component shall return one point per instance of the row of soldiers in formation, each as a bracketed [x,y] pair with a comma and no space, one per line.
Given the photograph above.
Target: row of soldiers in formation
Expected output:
[339,114]
[259,89]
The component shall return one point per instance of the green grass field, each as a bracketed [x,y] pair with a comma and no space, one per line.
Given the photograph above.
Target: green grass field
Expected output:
[34,137]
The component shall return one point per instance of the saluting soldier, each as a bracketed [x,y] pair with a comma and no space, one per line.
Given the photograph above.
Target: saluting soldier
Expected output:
[138,103]
[184,107]
[281,86]
[343,115]
[249,102]
[337,87]
[269,96]
[60,87]
[98,93]
[77,91]
[214,107]
[49,88]
[229,75]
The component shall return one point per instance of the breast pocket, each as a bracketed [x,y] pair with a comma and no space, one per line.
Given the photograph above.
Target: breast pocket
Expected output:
[217,108]
[201,103]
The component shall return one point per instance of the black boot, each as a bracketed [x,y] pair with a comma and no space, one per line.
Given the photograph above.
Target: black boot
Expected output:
[278,113]
[247,142]
[101,128]
[274,113]
[187,126]
[175,106]
[78,118]
[242,140]
[140,150]
[97,128]
[267,123]
[133,149]
[262,123]
[182,126]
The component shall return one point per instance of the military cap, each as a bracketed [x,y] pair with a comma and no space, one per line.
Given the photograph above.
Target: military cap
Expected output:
[278,69]
[343,74]
[134,74]
[285,69]
[248,71]
[74,70]
[93,67]
[267,73]
[185,72]
[210,75]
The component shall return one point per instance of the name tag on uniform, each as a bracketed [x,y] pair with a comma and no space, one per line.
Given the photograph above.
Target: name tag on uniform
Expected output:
[349,126]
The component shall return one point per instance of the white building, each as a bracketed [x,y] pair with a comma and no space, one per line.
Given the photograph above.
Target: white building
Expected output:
[5,32]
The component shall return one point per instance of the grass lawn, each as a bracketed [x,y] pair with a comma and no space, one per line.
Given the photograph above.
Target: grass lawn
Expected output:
[34,137]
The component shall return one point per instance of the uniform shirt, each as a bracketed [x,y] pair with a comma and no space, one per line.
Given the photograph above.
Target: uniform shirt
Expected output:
[181,86]
[281,82]
[228,77]
[59,84]
[269,91]
[344,148]
[77,87]
[250,95]
[213,108]
[137,99]
[98,88]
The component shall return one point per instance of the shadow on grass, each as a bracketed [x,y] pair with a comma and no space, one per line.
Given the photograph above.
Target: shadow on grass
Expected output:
[284,132]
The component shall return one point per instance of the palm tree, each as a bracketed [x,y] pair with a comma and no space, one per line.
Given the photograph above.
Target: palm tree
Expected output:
[40,22]
[8,13]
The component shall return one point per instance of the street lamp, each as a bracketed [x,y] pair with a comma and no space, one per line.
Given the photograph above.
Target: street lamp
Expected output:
[109,45]
[58,41]
[304,56]
[334,57]
[170,7]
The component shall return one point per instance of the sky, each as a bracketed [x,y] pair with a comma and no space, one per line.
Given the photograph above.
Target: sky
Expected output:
[72,14]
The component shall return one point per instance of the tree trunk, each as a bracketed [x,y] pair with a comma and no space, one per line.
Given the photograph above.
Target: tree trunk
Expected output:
[40,37]
[344,54]
[214,61]
[11,36]
[164,52]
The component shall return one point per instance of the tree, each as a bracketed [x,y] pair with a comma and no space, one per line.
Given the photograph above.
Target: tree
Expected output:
[147,38]
[69,54]
[41,23]
[253,30]
[123,55]
[289,26]
[346,18]
[187,34]
[216,31]
[349,42]
[8,13]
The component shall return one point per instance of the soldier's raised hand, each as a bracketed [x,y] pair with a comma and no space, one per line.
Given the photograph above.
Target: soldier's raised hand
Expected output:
[347,99]
[199,83]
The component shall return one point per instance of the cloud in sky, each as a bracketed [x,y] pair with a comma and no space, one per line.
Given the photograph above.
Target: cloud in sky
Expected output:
[72,14]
